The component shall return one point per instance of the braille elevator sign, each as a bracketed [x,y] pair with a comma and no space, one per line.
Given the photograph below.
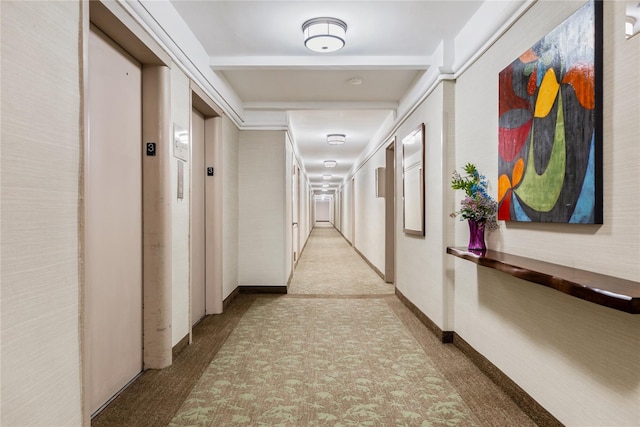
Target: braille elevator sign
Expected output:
[151,148]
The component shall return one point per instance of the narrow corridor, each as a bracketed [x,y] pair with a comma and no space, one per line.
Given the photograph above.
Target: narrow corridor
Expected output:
[339,349]
[330,266]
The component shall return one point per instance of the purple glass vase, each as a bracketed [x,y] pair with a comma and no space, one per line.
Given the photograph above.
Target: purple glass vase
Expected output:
[476,236]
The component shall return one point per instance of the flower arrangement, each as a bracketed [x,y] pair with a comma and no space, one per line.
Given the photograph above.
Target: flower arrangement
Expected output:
[477,205]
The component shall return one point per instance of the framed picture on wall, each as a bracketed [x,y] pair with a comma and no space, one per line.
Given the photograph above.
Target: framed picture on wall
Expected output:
[550,126]
[413,181]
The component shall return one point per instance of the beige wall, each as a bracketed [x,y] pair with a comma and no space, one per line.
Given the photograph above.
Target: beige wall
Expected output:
[304,215]
[322,210]
[262,176]
[180,305]
[346,222]
[41,157]
[370,240]
[222,200]
[420,262]
[230,214]
[287,207]
[579,360]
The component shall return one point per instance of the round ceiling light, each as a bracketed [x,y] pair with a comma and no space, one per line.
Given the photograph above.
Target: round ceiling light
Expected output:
[324,35]
[330,163]
[336,138]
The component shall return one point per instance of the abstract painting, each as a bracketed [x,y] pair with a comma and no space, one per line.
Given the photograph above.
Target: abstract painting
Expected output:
[550,126]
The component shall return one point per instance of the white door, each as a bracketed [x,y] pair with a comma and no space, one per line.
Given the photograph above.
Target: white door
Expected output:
[353,212]
[295,201]
[113,221]
[198,174]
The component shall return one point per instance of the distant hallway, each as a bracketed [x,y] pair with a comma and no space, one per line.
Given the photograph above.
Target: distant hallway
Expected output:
[339,349]
[330,266]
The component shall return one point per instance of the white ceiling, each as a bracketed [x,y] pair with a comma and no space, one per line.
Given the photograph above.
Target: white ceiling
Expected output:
[257,48]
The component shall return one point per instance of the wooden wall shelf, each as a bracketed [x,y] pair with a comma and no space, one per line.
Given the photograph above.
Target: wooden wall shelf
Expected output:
[612,292]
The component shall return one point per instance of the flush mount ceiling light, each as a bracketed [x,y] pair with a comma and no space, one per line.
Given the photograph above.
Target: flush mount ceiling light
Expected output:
[330,163]
[326,177]
[324,35]
[325,185]
[336,138]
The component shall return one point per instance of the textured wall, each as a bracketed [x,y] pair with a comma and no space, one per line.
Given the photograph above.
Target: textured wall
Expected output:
[303,215]
[287,218]
[419,261]
[370,232]
[347,211]
[41,143]
[579,360]
[181,116]
[230,152]
[262,209]
[322,210]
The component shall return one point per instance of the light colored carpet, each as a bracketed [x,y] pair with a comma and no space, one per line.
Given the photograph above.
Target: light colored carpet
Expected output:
[316,362]
[330,266]
[334,355]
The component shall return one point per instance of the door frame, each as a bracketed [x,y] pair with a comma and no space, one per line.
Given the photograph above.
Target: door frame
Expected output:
[353,212]
[110,18]
[390,213]
[195,175]
[131,365]
[214,188]
[295,215]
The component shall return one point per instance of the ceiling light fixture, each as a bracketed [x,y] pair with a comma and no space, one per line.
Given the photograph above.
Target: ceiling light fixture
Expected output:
[330,163]
[325,185]
[326,177]
[336,138]
[324,35]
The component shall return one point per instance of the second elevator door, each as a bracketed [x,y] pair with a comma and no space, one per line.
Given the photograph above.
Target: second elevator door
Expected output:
[198,174]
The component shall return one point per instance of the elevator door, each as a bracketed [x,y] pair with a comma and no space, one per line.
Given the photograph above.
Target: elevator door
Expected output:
[197,218]
[113,221]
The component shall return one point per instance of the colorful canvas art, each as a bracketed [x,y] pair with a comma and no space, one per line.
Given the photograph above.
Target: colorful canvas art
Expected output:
[550,115]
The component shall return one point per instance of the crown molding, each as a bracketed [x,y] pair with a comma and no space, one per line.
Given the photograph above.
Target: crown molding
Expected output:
[163,23]
[221,63]
[293,106]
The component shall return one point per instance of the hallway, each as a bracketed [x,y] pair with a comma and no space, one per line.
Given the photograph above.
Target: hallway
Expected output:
[330,266]
[339,349]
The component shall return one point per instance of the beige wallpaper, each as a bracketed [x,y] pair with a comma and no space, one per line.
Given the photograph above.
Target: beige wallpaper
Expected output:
[419,261]
[579,360]
[370,233]
[180,115]
[261,245]
[40,180]
[230,170]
